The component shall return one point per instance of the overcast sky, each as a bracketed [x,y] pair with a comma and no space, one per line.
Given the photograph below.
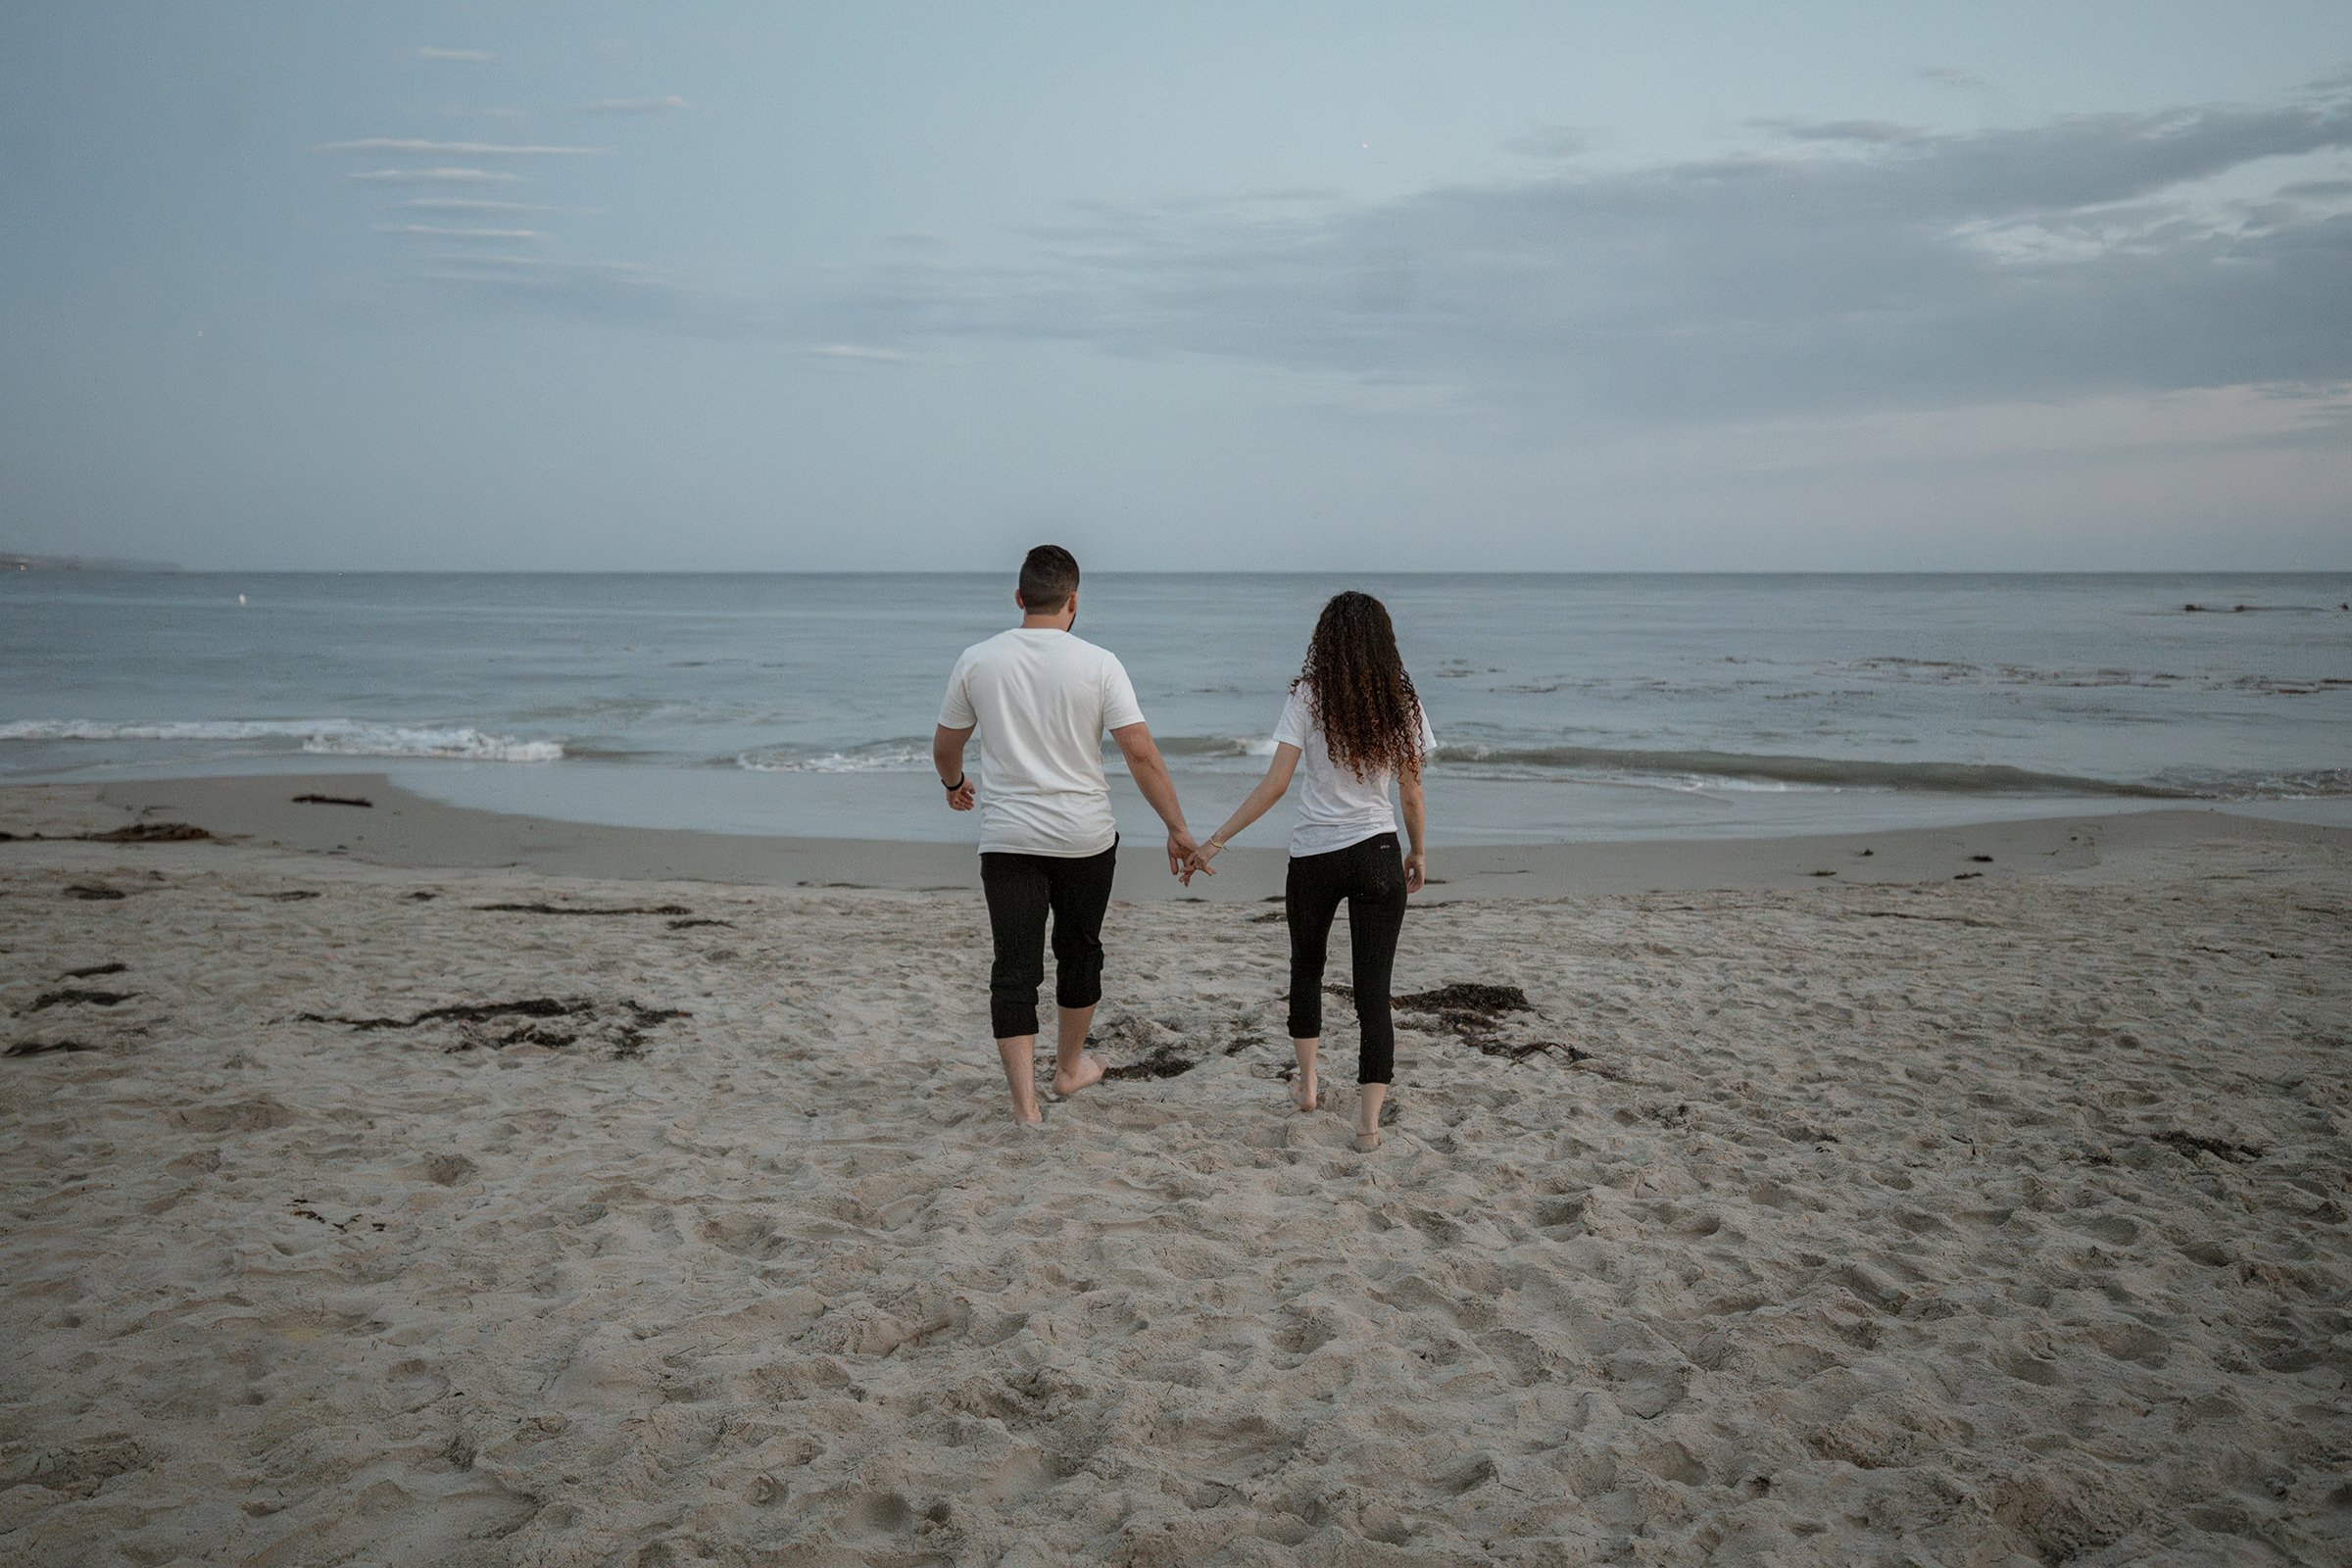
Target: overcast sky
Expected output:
[1363,286]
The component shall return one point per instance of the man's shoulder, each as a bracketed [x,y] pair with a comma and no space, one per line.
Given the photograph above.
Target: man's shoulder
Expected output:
[1080,649]
[984,648]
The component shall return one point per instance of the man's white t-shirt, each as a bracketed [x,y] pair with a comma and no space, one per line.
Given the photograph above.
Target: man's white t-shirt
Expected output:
[1336,809]
[1042,699]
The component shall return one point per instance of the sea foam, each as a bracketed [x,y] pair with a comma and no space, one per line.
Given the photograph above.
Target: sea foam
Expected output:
[335,737]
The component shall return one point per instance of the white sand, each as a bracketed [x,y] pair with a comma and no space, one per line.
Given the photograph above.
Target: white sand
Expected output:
[1990,1221]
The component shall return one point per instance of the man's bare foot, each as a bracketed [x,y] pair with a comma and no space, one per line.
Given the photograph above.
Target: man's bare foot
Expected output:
[1088,1072]
[1031,1124]
[1302,1090]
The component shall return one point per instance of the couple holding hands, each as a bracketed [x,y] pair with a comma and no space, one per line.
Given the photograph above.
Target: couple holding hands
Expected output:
[1042,699]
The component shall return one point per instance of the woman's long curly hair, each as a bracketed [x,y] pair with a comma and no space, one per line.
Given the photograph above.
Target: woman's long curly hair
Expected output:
[1358,690]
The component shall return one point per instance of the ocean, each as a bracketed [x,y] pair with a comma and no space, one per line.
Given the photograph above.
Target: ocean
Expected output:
[1567,707]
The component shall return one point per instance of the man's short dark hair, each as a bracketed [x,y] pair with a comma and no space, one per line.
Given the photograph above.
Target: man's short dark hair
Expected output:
[1048,579]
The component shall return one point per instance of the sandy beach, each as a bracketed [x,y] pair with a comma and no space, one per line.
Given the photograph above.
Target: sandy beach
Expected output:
[393,1183]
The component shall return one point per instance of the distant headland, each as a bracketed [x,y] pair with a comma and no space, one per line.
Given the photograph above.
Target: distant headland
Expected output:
[13,561]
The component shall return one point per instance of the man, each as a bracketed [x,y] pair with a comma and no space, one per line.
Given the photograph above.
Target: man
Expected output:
[1042,699]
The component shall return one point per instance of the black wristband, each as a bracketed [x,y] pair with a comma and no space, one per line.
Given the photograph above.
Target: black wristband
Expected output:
[952,788]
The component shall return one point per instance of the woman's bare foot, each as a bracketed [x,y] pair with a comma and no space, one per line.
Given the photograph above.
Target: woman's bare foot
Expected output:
[1369,1100]
[1302,1090]
[1087,1073]
[1036,1124]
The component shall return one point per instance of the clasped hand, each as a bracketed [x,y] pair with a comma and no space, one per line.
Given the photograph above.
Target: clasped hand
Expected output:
[1182,847]
[1197,860]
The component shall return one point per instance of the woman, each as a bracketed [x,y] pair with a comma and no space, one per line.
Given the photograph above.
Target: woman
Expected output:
[1352,715]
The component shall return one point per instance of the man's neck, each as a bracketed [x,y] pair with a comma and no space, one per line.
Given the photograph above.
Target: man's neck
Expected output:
[1044,623]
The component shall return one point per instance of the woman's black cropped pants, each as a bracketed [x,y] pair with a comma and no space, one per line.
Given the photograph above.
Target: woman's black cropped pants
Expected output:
[1371,876]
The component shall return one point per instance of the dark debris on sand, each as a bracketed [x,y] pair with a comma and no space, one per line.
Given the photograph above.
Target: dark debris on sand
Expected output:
[70,997]
[93,894]
[557,908]
[465,1012]
[1476,1013]
[97,969]
[40,1048]
[149,833]
[1165,1052]
[135,833]
[2194,1144]
[1162,1061]
[334,799]
[1464,1002]
[1522,1049]
[621,1025]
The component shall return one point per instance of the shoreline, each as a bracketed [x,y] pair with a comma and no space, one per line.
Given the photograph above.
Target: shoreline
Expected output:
[402,829]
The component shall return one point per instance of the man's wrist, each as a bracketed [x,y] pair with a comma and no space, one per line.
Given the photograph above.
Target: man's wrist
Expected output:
[952,788]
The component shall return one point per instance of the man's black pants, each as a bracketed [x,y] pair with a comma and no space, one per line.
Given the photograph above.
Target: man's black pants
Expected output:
[1021,890]
[1371,876]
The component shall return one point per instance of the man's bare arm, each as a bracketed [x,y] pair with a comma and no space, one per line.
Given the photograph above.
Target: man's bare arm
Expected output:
[947,756]
[1150,774]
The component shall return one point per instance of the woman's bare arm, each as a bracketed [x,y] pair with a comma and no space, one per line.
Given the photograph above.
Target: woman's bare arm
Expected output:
[1273,787]
[1416,858]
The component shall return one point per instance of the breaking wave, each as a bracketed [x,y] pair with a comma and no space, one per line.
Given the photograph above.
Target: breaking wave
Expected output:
[876,756]
[333,737]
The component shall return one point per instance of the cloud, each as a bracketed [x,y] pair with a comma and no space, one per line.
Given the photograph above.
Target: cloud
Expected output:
[623,293]
[1868,266]
[1881,132]
[468,111]
[857,351]
[434,176]
[2321,189]
[451,149]
[1953,76]
[636,106]
[439,231]
[1856,268]
[630,294]
[464,204]
[549,266]
[1550,141]
[479,57]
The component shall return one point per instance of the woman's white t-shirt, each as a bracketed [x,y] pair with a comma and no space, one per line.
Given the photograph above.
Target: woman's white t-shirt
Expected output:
[1336,809]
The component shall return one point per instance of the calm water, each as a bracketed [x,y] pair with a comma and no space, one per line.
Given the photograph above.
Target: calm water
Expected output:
[1567,707]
